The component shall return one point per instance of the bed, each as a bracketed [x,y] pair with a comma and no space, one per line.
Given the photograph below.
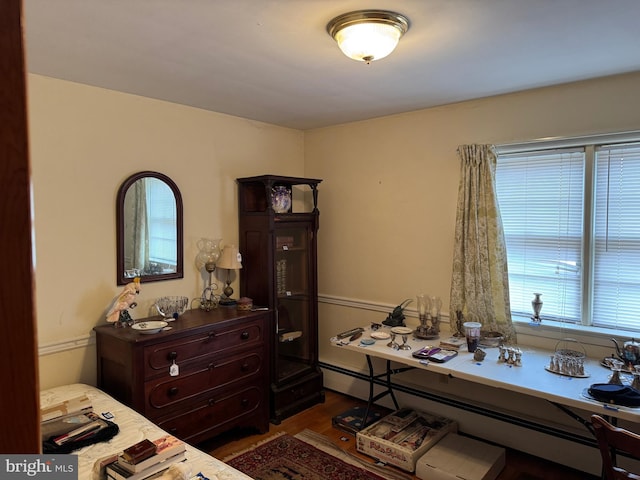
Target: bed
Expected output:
[133,428]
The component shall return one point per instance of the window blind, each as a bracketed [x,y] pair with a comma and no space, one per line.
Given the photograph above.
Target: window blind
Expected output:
[540,195]
[162,222]
[616,277]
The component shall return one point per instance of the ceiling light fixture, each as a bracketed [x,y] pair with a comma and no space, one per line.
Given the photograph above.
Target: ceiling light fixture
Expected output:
[368,35]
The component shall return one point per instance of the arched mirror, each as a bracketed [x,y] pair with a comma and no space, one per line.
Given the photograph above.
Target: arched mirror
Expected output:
[149,229]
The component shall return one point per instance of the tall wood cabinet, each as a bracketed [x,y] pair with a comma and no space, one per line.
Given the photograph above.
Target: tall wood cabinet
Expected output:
[221,380]
[278,219]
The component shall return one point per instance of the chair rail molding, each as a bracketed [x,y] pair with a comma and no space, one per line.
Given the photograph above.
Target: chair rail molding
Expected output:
[66,345]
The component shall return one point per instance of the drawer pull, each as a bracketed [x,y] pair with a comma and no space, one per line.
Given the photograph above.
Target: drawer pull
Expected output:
[211,366]
[244,367]
[211,402]
[172,391]
[244,335]
[172,356]
[244,402]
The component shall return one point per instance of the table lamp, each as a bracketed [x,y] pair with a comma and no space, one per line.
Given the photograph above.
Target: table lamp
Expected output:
[230,259]
[208,253]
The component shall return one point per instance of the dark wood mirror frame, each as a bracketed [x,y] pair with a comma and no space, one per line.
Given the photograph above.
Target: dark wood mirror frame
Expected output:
[120,199]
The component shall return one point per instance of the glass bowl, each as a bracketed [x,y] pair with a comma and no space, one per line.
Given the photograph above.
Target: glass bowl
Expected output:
[491,339]
[171,307]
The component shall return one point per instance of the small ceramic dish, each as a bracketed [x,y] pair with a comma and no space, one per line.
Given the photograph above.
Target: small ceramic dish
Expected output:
[378,335]
[367,341]
[150,327]
[402,330]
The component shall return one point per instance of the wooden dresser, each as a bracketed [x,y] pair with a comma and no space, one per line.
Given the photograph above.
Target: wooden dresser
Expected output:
[223,380]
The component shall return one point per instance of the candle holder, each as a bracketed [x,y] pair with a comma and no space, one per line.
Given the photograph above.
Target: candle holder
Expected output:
[616,368]
[435,307]
[393,344]
[429,316]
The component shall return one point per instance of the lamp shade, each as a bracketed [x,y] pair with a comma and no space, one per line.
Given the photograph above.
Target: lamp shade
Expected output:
[208,253]
[368,35]
[230,258]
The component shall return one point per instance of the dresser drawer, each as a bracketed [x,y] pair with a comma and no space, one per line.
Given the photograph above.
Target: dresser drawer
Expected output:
[223,359]
[213,415]
[192,349]
[217,374]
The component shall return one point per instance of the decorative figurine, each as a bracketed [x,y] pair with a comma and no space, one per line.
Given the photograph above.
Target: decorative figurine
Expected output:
[502,356]
[396,317]
[510,355]
[118,314]
[552,364]
[518,361]
[536,303]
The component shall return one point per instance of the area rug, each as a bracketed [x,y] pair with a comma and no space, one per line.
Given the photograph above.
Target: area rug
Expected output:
[285,457]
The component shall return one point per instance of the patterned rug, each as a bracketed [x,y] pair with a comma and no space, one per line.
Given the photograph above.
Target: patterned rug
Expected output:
[284,457]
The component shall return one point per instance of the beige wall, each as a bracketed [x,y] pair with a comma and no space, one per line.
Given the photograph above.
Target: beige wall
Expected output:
[390,184]
[387,199]
[84,142]
[388,207]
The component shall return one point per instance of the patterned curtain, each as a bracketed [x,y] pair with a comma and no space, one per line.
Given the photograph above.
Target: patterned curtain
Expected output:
[480,283]
[136,227]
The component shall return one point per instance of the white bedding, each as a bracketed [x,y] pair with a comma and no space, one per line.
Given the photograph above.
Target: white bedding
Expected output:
[133,428]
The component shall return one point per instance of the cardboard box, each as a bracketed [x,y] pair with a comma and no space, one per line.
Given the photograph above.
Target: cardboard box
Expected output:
[402,447]
[461,458]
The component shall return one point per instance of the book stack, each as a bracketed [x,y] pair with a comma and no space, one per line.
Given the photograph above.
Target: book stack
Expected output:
[146,458]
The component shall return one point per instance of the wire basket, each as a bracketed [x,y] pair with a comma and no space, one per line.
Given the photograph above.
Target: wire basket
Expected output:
[568,361]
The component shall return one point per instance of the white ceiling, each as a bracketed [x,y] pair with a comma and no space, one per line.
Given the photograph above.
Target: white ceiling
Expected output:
[272,60]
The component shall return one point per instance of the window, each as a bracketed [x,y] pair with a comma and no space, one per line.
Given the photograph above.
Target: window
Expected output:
[541,203]
[162,223]
[616,266]
[571,217]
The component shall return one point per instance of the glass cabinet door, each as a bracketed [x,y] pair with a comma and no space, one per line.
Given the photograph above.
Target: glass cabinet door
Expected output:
[278,223]
[294,354]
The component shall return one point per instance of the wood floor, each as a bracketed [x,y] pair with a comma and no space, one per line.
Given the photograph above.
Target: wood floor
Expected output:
[519,466]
